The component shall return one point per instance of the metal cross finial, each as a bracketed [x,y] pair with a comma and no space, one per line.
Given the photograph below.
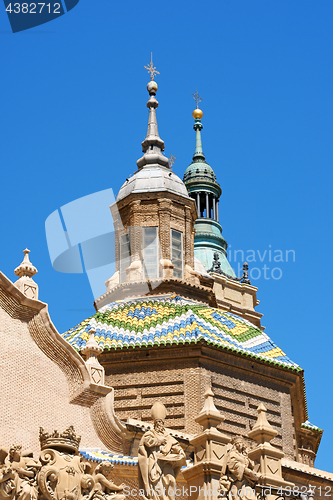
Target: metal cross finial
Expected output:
[197,98]
[172,160]
[150,68]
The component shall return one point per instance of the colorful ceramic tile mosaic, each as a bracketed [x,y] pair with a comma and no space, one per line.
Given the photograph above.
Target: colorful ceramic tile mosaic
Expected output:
[312,427]
[101,456]
[174,320]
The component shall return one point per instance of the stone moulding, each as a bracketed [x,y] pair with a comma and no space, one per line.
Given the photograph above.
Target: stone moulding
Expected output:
[113,433]
[158,286]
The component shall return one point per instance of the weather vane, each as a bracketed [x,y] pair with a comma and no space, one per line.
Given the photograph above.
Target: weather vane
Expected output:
[197,98]
[150,68]
[172,160]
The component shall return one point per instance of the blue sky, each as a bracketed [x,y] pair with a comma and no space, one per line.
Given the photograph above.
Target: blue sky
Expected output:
[73,115]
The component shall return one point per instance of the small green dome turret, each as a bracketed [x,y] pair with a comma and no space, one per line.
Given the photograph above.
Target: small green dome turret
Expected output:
[199,174]
[201,183]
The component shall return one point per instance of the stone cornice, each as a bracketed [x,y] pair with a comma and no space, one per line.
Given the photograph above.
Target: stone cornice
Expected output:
[159,286]
[165,195]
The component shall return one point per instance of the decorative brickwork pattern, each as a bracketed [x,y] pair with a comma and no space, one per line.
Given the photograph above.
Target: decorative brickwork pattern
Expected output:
[135,394]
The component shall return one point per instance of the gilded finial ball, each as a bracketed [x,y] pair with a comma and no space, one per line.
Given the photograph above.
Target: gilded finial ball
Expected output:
[152,87]
[197,114]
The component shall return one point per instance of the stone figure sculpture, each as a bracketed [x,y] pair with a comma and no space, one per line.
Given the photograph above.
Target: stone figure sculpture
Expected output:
[238,476]
[7,476]
[18,474]
[104,488]
[60,473]
[160,458]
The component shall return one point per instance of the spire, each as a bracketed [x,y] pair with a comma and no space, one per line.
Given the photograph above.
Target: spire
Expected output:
[25,283]
[201,183]
[153,145]
[209,416]
[265,454]
[197,115]
[26,268]
[91,351]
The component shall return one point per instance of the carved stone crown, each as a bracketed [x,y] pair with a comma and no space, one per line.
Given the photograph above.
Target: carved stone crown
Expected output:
[67,440]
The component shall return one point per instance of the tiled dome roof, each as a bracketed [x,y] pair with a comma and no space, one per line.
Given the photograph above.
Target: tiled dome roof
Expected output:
[172,320]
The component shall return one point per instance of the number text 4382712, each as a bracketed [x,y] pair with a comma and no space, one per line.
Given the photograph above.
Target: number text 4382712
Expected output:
[34,8]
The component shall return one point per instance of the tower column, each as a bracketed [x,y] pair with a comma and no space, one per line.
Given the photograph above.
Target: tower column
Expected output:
[198,203]
[217,210]
[207,206]
[214,207]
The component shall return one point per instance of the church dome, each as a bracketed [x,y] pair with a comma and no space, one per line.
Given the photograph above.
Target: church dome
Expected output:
[151,179]
[199,169]
[173,320]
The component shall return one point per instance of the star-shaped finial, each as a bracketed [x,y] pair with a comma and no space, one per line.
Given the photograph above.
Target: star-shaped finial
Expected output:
[150,68]
[197,98]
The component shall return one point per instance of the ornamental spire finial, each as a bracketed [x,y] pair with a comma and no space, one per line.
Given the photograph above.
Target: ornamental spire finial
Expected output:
[197,98]
[26,268]
[151,69]
[197,115]
[25,283]
[172,161]
[152,145]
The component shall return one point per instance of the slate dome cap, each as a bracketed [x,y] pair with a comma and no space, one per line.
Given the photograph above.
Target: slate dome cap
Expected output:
[152,179]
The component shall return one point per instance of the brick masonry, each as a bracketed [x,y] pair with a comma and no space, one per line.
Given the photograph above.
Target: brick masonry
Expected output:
[178,377]
[34,390]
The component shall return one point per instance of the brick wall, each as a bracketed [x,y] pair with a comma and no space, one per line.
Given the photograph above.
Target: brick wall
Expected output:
[178,377]
[34,391]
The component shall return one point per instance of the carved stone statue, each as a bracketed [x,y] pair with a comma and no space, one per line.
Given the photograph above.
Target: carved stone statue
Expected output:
[7,476]
[104,488]
[62,476]
[59,475]
[160,458]
[18,474]
[237,475]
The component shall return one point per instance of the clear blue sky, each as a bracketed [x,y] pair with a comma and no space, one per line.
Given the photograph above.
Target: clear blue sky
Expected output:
[73,115]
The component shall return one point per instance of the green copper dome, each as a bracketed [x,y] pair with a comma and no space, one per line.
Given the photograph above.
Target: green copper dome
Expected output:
[200,168]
